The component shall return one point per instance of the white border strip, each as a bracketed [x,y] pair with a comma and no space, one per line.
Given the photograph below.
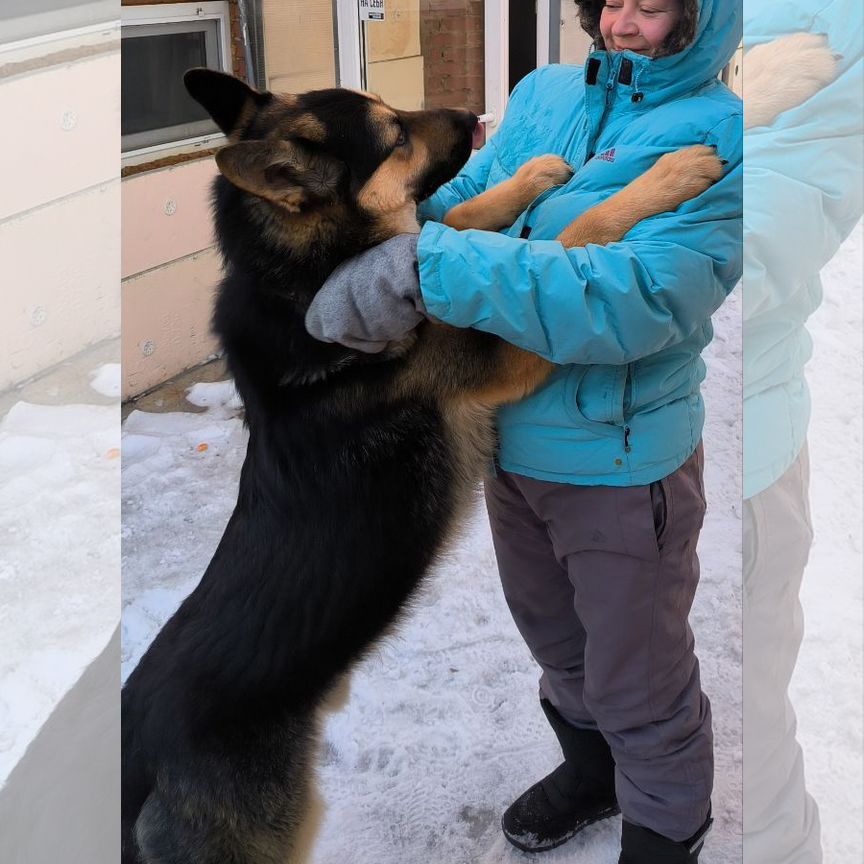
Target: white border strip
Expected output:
[497,25]
[348,37]
[543,30]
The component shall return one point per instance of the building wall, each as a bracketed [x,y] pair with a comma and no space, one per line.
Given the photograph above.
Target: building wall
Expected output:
[59,208]
[299,46]
[575,42]
[170,268]
[170,273]
[452,43]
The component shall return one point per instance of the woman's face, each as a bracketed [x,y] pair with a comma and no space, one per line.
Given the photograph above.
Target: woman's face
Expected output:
[638,25]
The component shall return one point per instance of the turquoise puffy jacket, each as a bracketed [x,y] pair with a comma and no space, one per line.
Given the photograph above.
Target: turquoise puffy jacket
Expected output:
[626,322]
[804,187]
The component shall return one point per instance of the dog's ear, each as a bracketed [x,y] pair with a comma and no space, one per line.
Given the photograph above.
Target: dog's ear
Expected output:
[228,100]
[290,173]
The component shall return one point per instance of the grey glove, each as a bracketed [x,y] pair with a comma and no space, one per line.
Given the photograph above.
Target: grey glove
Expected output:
[372,300]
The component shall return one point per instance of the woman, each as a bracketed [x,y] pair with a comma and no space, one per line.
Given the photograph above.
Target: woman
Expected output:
[597,503]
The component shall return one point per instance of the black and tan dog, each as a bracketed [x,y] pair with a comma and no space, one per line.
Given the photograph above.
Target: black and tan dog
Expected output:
[357,466]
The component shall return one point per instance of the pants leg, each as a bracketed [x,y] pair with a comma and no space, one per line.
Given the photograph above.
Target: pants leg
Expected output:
[781,821]
[540,596]
[630,556]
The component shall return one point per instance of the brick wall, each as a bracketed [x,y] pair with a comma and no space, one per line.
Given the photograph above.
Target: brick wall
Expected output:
[451,40]
[238,52]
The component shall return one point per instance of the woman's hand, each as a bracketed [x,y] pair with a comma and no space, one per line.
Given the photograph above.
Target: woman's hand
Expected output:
[372,300]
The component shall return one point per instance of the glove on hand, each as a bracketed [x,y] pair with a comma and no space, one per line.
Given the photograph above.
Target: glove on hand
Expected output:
[372,300]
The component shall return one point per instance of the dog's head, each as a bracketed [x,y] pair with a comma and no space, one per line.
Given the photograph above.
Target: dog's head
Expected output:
[332,150]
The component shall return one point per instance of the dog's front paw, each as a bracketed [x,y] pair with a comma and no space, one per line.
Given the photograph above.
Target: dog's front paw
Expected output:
[542,173]
[678,176]
[784,74]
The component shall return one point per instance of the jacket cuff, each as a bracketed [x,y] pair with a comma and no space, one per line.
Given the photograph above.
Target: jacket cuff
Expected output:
[429,254]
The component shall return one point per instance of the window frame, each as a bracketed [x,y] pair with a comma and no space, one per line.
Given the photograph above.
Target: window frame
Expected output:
[181,13]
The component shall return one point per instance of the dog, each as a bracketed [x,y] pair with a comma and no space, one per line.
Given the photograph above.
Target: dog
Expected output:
[358,466]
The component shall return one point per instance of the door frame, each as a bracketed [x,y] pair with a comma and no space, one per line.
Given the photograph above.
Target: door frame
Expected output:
[350,50]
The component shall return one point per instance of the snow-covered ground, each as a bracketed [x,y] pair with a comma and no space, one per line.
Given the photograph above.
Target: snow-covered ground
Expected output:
[59,551]
[443,727]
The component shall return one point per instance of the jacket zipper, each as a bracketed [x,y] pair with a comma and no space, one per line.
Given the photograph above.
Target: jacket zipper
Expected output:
[627,447]
[610,84]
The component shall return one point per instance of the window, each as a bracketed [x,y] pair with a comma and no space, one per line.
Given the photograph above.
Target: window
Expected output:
[160,43]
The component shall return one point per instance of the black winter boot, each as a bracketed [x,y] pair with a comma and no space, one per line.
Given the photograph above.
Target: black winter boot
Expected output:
[578,792]
[641,846]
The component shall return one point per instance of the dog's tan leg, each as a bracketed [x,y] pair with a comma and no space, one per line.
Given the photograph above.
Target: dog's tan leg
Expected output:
[673,179]
[501,205]
[338,696]
[769,89]
[307,832]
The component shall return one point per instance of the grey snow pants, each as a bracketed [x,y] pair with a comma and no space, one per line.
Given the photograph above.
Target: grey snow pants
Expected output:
[600,581]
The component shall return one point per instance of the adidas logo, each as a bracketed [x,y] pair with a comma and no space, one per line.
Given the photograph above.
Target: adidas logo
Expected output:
[607,155]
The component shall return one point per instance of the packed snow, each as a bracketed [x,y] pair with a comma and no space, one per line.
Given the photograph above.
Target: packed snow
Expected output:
[106,380]
[59,592]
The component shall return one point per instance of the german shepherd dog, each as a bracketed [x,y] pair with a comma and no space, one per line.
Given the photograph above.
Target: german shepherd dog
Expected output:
[358,466]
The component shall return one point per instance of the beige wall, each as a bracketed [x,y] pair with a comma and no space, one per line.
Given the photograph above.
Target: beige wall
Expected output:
[299,47]
[60,203]
[395,65]
[575,42]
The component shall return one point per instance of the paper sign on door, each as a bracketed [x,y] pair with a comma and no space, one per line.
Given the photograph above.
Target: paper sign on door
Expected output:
[371,10]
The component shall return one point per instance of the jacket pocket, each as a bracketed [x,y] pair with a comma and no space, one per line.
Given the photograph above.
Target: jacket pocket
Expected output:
[599,397]
[660,507]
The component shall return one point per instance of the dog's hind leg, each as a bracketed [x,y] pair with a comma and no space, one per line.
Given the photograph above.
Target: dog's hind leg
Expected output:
[251,802]
[168,831]
[338,696]
[307,831]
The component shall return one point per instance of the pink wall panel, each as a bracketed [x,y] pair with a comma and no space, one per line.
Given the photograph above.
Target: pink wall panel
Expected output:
[65,132]
[166,320]
[60,282]
[166,215]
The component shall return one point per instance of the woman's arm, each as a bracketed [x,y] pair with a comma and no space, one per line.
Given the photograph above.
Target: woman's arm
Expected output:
[598,304]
